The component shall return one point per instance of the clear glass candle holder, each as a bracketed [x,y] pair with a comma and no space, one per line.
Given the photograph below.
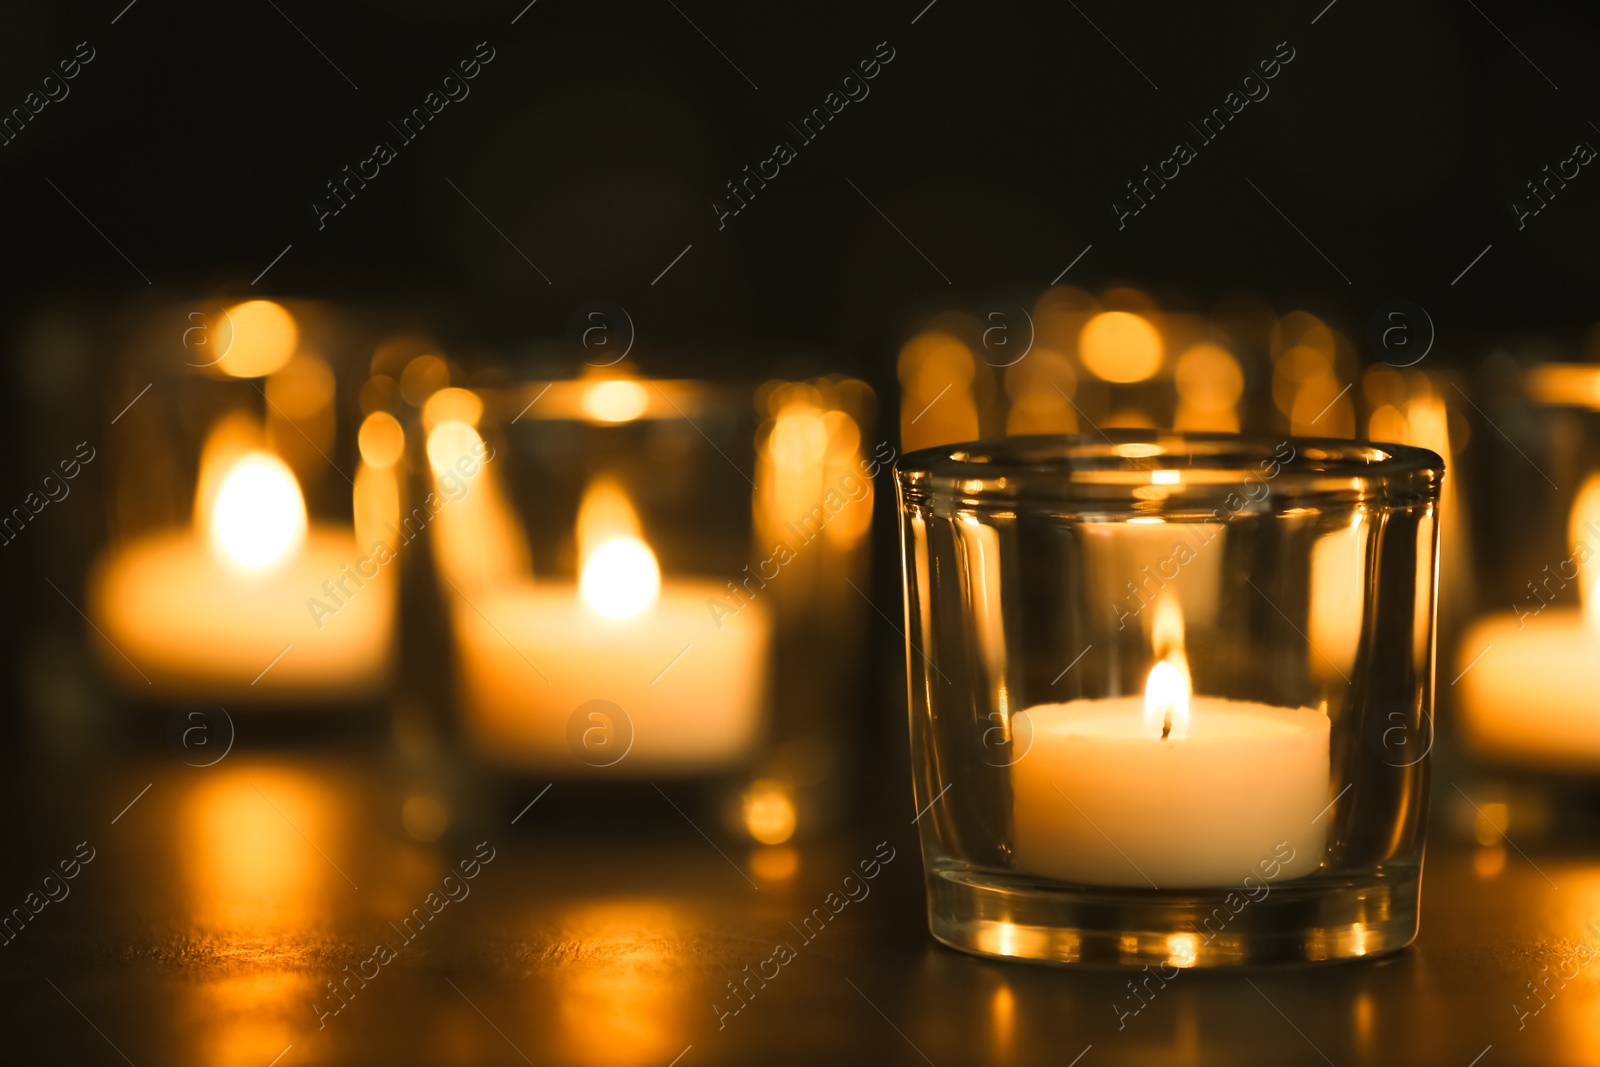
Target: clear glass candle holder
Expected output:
[1171,695]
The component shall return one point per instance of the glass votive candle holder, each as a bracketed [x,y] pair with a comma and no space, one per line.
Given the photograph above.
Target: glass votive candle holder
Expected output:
[1171,695]
[231,572]
[1526,671]
[590,537]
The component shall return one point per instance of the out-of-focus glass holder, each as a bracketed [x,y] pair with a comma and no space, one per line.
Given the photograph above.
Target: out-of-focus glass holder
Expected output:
[230,507]
[1521,718]
[1062,590]
[586,560]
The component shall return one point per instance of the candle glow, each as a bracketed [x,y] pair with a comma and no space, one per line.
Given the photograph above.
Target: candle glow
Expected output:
[259,516]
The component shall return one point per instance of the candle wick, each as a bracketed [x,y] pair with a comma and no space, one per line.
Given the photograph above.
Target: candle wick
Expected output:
[1166,723]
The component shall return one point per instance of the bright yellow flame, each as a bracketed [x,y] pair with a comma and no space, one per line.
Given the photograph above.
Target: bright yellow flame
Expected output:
[451,441]
[1166,477]
[621,578]
[1119,346]
[615,400]
[452,404]
[257,337]
[229,439]
[1182,949]
[1166,699]
[768,812]
[259,516]
[381,439]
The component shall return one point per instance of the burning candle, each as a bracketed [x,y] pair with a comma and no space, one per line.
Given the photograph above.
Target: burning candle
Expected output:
[1529,679]
[251,604]
[686,672]
[1168,789]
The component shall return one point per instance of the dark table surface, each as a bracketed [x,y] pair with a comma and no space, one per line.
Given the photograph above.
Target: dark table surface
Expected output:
[221,903]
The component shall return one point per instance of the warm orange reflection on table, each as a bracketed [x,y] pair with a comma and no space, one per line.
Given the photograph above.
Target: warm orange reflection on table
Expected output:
[249,856]
[624,997]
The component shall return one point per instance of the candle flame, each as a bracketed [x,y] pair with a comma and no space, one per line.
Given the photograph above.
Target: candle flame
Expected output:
[259,515]
[621,578]
[1166,699]
[620,575]
[615,400]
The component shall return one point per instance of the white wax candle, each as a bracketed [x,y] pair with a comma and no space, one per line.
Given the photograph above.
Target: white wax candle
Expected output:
[1533,698]
[201,626]
[1099,801]
[692,692]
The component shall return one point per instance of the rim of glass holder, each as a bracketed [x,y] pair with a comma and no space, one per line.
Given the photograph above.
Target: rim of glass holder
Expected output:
[1089,469]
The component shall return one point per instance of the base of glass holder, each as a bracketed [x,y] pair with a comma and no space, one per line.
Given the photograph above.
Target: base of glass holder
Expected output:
[1312,920]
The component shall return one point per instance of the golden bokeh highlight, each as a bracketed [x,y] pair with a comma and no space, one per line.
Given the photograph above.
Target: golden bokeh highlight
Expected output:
[449,442]
[257,337]
[937,404]
[381,439]
[451,404]
[1210,384]
[1120,347]
[1041,387]
[768,812]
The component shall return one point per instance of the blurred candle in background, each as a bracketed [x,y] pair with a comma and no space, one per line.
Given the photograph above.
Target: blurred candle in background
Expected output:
[1529,679]
[683,663]
[252,603]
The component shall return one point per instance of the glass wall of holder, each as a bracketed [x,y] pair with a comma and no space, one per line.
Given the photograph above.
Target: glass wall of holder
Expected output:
[1161,694]
[1525,709]
[231,508]
[588,536]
